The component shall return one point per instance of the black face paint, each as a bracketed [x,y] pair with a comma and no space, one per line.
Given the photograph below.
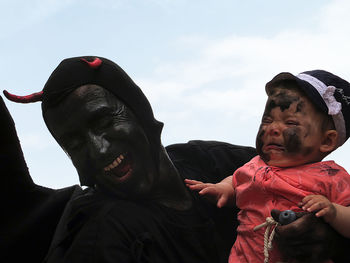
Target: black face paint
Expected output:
[300,106]
[292,140]
[283,100]
[286,107]
[96,129]
[259,144]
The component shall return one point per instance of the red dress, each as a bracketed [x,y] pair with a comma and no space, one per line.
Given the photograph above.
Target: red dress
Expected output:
[261,188]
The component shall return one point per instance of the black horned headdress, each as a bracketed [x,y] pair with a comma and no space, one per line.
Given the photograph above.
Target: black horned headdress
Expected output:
[75,72]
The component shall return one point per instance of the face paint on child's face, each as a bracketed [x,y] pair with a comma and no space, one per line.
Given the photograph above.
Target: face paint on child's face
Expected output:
[282,99]
[290,132]
[292,139]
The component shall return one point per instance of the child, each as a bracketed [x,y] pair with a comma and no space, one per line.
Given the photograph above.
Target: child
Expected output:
[306,117]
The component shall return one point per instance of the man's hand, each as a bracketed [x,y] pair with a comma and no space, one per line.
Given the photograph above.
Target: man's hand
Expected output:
[221,193]
[307,239]
[321,205]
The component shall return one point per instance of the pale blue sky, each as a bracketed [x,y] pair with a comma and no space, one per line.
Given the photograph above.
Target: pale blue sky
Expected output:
[203,64]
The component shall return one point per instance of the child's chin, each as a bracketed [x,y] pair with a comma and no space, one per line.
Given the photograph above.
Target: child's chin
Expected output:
[279,162]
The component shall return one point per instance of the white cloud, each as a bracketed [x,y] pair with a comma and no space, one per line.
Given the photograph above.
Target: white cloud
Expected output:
[225,77]
[242,65]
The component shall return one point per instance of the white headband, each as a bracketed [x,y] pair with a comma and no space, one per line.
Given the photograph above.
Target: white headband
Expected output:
[334,107]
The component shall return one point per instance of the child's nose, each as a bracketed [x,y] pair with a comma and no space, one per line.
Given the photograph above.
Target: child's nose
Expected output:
[274,129]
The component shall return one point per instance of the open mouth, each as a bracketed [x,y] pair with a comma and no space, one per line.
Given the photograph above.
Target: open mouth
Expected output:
[120,167]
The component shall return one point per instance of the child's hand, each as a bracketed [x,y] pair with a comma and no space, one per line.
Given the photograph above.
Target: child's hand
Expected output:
[321,204]
[221,193]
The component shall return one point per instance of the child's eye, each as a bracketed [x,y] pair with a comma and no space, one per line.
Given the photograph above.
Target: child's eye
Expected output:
[266,120]
[292,122]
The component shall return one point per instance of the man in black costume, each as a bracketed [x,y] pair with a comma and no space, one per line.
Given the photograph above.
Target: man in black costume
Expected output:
[136,207]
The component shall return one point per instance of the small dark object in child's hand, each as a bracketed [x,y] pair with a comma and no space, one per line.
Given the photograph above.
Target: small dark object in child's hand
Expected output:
[286,217]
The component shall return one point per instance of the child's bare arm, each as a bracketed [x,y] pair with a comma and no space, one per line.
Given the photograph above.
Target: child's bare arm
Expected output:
[221,193]
[337,216]
[342,220]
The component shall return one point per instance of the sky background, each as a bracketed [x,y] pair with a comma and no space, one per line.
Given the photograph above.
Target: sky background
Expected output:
[202,64]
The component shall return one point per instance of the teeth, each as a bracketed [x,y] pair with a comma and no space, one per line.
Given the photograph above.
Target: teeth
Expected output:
[115,163]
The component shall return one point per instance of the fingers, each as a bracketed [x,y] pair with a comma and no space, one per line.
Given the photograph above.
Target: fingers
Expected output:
[207,190]
[222,201]
[308,198]
[323,212]
[202,188]
[328,213]
[316,207]
[191,182]
[314,203]
[321,205]
[221,194]
[196,185]
[309,201]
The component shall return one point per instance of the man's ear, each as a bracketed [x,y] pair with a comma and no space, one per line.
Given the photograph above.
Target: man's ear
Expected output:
[329,142]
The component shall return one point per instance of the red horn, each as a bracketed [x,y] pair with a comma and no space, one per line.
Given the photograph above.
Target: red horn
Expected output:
[24,99]
[93,64]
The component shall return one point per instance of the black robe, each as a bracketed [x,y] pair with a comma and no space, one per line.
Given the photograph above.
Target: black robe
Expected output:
[100,228]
